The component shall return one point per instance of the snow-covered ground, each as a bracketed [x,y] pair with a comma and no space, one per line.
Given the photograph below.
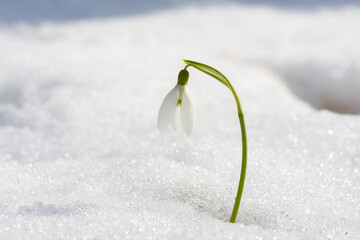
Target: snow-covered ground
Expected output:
[81,156]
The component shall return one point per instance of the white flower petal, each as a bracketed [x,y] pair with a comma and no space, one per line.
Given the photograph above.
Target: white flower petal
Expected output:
[168,107]
[187,112]
[175,122]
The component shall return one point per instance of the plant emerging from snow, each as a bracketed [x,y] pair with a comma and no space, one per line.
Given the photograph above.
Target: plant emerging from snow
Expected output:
[178,109]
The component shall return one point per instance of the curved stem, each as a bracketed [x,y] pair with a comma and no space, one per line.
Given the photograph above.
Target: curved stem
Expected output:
[221,78]
[244,156]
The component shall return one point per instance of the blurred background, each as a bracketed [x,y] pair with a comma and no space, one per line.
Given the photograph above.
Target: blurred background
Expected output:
[317,57]
[64,10]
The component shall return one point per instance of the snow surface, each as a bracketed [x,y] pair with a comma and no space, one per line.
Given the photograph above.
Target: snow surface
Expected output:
[81,156]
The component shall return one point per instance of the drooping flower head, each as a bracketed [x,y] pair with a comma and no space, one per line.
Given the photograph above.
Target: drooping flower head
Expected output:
[177,107]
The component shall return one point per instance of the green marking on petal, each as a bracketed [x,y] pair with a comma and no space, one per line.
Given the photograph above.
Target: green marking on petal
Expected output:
[179,102]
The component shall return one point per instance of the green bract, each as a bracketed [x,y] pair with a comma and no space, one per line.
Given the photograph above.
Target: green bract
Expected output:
[208,70]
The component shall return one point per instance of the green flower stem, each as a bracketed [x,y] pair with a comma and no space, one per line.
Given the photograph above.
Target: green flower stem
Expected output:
[244,156]
[221,78]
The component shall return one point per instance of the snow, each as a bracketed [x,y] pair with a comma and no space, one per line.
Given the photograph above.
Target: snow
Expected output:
[82,158]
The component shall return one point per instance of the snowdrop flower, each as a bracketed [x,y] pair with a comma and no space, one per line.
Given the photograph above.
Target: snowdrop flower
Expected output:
[177,107]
